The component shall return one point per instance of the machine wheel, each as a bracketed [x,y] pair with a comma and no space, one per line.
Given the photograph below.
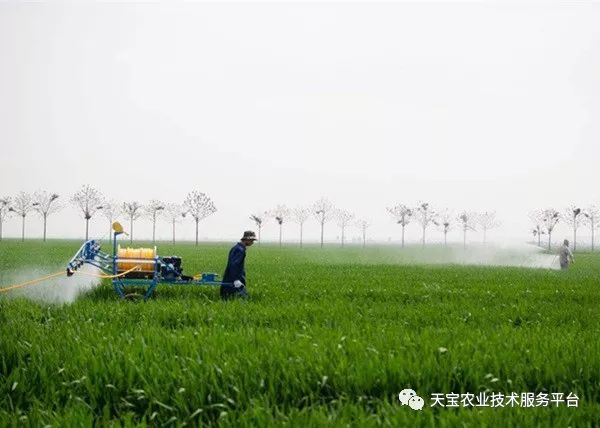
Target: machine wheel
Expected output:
[134,297]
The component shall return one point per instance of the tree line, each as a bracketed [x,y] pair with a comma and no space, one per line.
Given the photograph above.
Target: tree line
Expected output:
[89,202]
[545,221]
[197,205]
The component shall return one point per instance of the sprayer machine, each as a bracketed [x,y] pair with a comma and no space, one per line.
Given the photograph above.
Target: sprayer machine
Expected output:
[136,267]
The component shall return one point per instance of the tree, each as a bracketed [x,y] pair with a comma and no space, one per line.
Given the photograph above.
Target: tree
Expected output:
[175,213]
[4,211]
[21,206]
[259,220]
[153,210]
[199,206]
[548,217]
[45,204]
[364,225]
[425,216]
[300,215]
[574,219]
[133,210]
[487,221]
[110,210]
[402,214]
[323,211]
[537,228]
[89,201]
[538,232]
[445,222]
[343,218]
[280,213]
[591,216]
[467,220]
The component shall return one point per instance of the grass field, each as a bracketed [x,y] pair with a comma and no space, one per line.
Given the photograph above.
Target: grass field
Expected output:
[329,337]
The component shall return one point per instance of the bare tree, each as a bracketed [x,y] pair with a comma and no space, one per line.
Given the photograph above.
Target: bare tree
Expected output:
[548,217]
[153,210]
[402,214]
[110,210]
[89,201]
[133,210]
[22,204]
[487,220]
[45,204]
[300,215]
[425,216]
[591,216]
[199,206]
[573,218]
[467,221]
[364,225]
[4,211]
[281,212]
[259,220]
[445,223]
[537,231]
[175,213]
[323,211]
[343,219]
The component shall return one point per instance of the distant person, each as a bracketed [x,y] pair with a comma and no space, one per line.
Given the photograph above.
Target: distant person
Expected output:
[234,278]
[565,255]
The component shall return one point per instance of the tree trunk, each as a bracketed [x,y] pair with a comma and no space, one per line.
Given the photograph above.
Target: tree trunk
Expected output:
[110,231]
[424,227]
[173,232]
[280,226]
[465,238]
[539,235]
[445,238]
[23,230]
[549,240]
[364,238]
[45,219]
[322,227]
[403,226]
[131,230]
[301,234]
[197,221]
[574,235]
[0,228]
[591,221]
[154,228]
[87,228]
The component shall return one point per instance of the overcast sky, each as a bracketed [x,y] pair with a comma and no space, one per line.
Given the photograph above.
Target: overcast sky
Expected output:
[476,106]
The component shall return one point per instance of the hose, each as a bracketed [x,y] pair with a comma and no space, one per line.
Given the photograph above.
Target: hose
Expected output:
[62,272]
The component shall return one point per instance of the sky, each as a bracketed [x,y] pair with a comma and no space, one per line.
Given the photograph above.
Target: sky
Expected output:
[477,106]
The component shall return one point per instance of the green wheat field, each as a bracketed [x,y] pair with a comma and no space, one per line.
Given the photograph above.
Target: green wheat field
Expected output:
[329,338]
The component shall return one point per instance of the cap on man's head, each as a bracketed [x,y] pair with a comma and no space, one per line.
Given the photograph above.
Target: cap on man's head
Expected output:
[249,236]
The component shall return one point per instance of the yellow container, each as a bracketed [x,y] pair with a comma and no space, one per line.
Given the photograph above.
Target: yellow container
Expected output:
[128,258]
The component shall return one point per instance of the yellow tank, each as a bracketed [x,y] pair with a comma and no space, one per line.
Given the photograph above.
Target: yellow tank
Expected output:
[129,258]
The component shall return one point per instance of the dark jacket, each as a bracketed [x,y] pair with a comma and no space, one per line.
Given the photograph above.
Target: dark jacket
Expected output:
[235,265]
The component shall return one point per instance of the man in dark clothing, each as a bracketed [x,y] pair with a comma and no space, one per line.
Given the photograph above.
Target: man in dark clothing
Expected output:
[234,278]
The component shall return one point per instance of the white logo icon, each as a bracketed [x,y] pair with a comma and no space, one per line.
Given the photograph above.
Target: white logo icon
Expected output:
[409,397]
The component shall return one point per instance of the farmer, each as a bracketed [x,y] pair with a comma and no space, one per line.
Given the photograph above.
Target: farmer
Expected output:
[234,278]
[565,255]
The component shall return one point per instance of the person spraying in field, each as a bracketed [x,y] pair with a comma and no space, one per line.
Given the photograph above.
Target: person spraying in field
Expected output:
[565,255]
[234,278]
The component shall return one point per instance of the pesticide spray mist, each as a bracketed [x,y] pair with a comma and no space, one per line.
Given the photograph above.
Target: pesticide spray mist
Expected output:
[61,289]
[505,254]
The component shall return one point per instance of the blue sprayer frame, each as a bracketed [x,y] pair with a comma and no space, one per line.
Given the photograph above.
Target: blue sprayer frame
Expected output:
[92,254]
